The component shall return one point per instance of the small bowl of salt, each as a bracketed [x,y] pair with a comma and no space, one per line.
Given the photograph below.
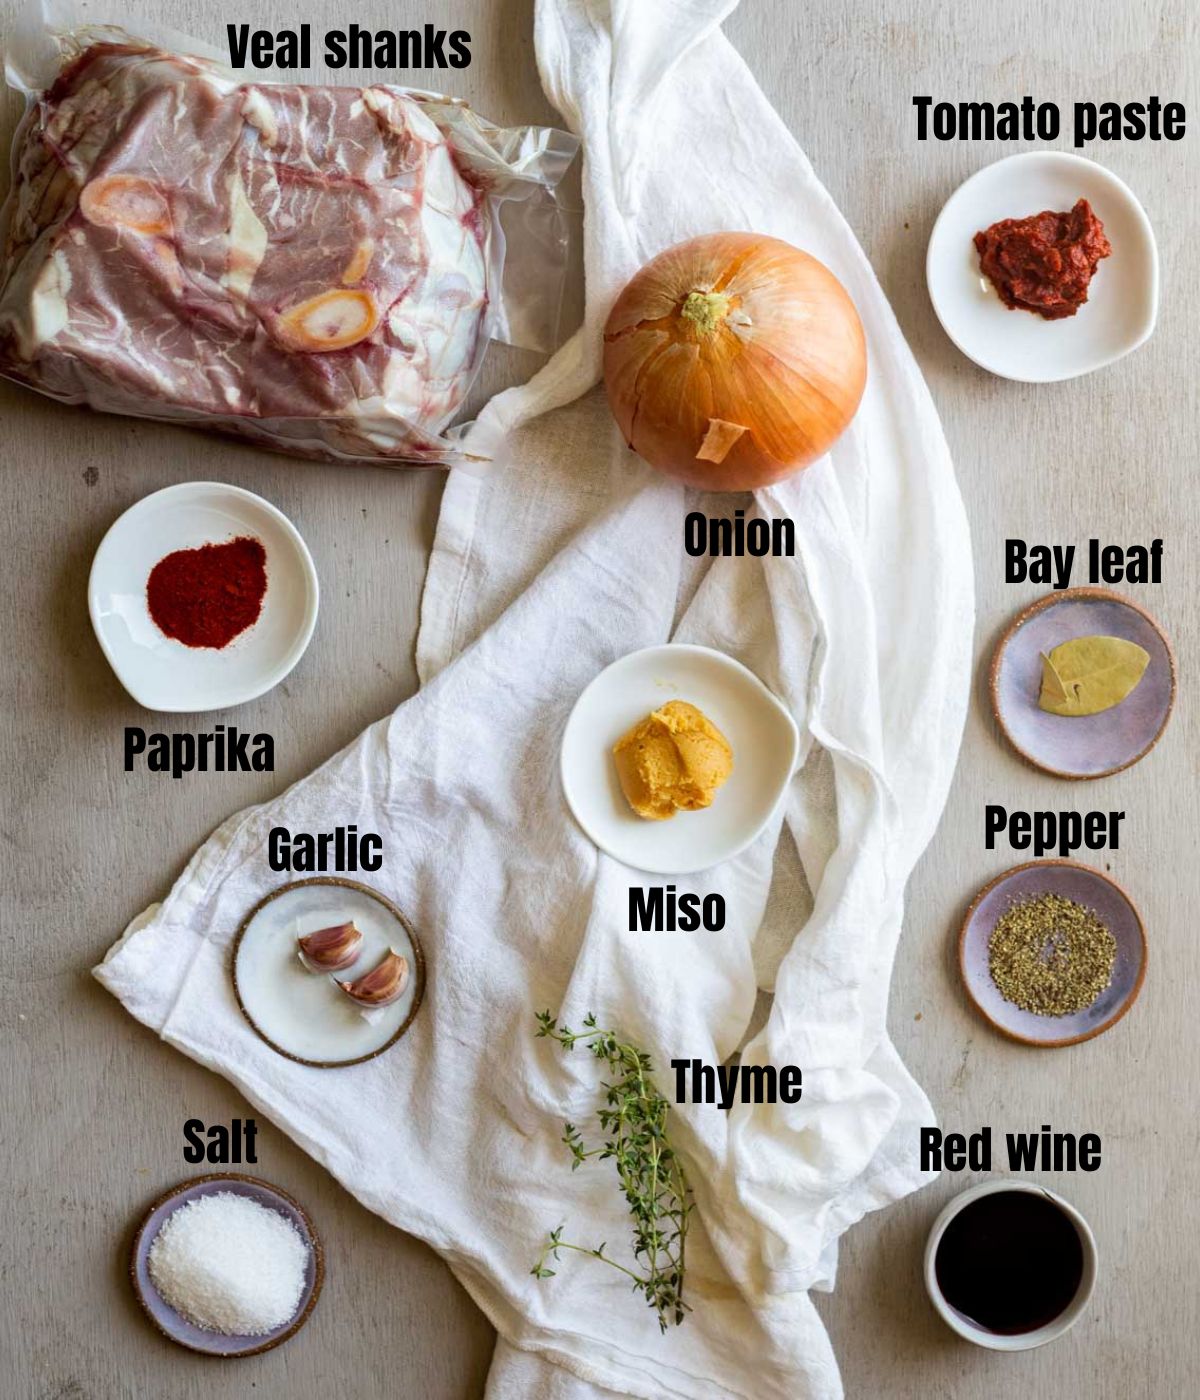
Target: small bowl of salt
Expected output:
[227,1265]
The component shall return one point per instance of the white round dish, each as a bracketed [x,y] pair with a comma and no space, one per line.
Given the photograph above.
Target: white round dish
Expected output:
[1122,304]
[302,1014]
[1022,1341]
[763,735]
[163,674]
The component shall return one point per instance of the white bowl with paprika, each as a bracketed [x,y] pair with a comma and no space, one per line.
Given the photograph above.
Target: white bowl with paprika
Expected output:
[202,596]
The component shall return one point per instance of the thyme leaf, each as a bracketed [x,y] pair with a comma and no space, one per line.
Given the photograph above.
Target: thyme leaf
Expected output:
[652,1179]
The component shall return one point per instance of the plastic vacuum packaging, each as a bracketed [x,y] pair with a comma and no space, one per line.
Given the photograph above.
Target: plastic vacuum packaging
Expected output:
[318,269]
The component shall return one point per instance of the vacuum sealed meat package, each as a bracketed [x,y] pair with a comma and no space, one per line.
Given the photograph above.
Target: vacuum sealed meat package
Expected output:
[318,269]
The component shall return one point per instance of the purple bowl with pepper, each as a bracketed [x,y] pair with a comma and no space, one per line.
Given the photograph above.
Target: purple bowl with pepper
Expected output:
[1085,886]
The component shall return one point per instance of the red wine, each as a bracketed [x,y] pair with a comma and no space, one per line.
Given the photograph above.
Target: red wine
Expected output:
[1010,1262]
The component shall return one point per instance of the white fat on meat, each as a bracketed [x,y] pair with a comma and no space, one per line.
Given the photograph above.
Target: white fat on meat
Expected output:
[49,312]
[247,240]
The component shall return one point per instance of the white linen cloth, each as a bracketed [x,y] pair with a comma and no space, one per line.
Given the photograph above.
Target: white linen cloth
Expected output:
[545,571]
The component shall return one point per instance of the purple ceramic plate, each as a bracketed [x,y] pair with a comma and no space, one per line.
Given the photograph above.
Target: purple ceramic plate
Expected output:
[1082,746]
[178,1328]
[1085,886]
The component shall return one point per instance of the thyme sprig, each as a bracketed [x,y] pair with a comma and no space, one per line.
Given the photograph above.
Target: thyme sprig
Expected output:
[653,1181]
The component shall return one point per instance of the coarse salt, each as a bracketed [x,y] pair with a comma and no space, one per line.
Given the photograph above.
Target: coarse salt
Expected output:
[229,1265]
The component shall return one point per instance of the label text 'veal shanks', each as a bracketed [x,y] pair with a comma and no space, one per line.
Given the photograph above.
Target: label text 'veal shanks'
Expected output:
[353,47]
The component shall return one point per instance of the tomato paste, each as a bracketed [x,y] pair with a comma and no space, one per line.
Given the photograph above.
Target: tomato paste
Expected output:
[1045,262]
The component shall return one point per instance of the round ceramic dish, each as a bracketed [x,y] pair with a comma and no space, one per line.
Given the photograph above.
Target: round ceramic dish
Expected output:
[1085,886]
[302,1014]
[1024,1341]
[762,733]
[1122,303]
[163,674]
[1081,746]
[179,1329]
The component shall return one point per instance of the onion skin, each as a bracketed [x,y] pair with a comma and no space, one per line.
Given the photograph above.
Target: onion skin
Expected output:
[733,331]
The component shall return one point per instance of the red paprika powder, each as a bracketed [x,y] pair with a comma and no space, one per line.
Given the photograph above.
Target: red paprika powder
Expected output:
[205,597]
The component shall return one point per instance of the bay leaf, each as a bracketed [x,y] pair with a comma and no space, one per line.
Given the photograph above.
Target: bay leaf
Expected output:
[1089,675]
[1053,690]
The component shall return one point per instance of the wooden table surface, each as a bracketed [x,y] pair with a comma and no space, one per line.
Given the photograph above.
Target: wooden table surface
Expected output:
[94,1104]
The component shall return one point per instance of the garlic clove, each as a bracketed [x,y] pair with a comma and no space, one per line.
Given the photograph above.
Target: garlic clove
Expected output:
[382,985]
[330,949]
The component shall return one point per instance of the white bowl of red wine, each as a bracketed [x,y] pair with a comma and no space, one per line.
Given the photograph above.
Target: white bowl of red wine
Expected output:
[1010,1265]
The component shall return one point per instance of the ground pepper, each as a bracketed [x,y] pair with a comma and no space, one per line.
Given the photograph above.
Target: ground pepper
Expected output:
[205,597]
[1051,956]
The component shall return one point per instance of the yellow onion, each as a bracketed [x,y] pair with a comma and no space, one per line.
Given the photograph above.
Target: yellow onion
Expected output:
[733,360]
